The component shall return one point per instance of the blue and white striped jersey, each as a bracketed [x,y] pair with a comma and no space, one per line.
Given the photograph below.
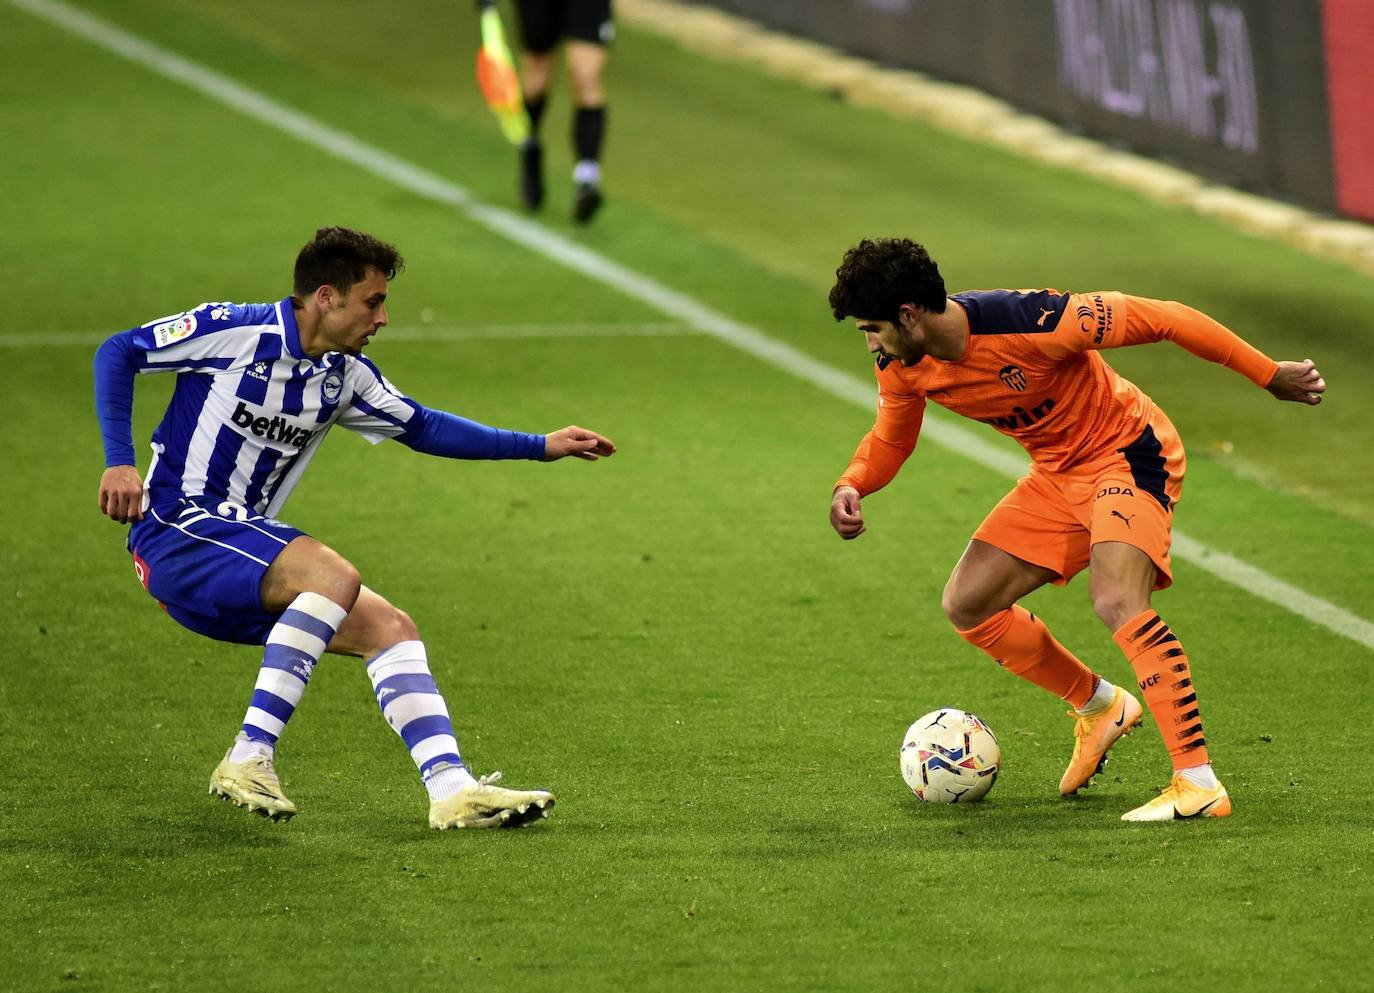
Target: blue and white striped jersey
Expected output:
[250,409]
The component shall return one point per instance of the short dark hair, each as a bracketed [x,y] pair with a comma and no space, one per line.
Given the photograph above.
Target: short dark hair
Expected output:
[878,275]
[340,257]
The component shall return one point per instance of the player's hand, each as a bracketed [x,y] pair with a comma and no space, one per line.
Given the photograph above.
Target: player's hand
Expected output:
[845,516]
[121,494]
[1299,382]
[573,440]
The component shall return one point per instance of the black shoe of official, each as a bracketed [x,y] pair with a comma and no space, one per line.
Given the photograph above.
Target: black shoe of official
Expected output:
[586,202]
[532,174]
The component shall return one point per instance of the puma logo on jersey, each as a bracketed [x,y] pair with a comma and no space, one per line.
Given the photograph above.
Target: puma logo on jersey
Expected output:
[1044,313]
[1117,513]
[1020,417]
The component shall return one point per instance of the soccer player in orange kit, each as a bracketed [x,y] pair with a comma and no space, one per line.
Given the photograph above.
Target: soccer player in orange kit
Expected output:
[1107,470]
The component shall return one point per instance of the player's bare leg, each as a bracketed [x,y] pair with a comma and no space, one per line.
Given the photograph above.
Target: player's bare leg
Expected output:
[1123,578]
[312,587]
[586,67]
[985,581]
[372,626]
[981,601]
[536,73]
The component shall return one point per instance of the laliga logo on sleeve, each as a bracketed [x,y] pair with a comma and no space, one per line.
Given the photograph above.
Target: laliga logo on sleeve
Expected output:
[174,330]
[332,387]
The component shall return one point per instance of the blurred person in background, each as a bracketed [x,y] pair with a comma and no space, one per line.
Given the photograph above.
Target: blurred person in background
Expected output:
[586,30]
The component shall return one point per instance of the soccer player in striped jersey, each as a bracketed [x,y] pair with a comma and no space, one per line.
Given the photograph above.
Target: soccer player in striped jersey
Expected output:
[258,387]
[1106,473]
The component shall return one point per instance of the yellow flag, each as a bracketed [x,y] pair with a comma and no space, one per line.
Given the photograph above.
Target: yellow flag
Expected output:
[496,75]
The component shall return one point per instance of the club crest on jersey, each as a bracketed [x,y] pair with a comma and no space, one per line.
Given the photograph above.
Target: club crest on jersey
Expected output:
[1013,377]
[332,387]
[178,328]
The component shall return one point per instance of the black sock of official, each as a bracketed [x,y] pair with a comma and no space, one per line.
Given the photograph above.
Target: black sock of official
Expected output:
[534,106]
[589,128]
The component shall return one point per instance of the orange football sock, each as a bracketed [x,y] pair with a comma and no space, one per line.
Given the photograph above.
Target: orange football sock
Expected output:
[1161,668]
[1021,643]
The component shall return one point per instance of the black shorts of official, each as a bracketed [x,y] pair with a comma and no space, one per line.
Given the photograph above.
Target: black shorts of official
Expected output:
[544,23]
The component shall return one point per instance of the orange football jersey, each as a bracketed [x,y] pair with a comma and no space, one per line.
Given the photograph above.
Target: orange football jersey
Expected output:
[1032,371]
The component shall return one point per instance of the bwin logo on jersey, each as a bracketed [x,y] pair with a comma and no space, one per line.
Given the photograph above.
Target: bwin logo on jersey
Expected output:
[1020,417]
[271,428]
[332,387]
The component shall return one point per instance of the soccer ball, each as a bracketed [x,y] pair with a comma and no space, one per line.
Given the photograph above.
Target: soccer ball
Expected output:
[949,755]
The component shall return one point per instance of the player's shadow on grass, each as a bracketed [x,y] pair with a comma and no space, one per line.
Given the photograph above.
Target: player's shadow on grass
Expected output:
[215,826]
[176,831]
[1012,823]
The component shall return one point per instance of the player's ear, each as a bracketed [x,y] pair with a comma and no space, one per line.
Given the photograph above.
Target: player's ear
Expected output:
[907,316]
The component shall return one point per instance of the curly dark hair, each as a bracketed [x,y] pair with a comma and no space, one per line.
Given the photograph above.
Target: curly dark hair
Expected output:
[340,257]
[878,275]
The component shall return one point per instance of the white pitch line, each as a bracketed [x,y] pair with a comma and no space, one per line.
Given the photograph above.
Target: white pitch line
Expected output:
[418,332]
[678,306]
[505,332]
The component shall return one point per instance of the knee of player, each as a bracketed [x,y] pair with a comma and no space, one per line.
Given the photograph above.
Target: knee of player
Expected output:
[391,627]
[588,91]
[342,583]
[962,612]
[535,71]
[403,628]
[1117,605]
[587,86]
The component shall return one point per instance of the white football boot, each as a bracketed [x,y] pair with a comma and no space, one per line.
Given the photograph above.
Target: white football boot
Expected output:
[252,783]
[482,804]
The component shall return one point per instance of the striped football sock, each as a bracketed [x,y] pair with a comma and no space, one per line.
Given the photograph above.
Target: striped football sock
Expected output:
[1161,668]
[294,645]
[1019,642]
[412,705]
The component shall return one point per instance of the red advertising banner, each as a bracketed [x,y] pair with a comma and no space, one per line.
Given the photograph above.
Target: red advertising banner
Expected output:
[1348,26]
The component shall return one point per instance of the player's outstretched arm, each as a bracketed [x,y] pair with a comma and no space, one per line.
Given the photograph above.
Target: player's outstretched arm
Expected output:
[121,494]
[846,516]
[1299,382]
[573,440]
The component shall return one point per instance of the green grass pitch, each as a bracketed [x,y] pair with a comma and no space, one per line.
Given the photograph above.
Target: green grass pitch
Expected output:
[672,640]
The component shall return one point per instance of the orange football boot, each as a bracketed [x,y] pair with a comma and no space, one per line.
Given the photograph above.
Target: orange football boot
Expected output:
[1095,733]
[1182,800]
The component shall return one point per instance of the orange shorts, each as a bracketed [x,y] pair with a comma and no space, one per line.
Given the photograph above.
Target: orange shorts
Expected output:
[1053,519]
